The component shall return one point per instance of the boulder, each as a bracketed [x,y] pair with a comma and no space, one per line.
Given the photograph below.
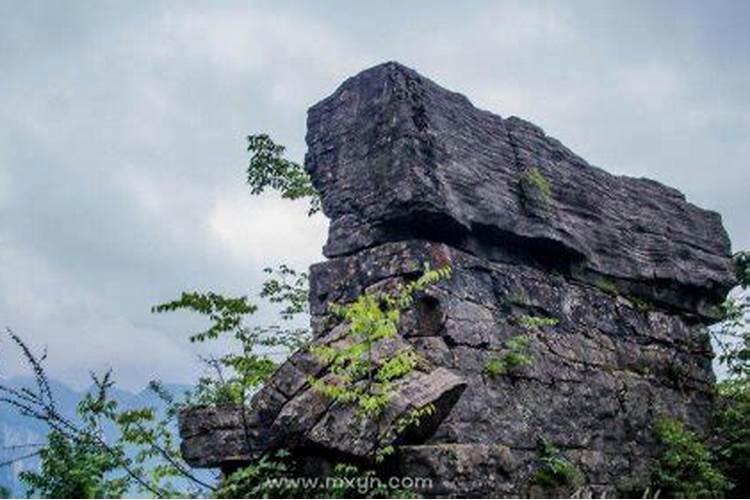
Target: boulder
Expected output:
[575,314]
[396,156]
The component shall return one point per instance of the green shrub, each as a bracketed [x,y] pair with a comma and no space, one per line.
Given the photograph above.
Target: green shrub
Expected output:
[732,427]
[685,468]
[554,470]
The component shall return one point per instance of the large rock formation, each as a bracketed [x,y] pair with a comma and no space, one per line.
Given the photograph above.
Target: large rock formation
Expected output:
[611,279]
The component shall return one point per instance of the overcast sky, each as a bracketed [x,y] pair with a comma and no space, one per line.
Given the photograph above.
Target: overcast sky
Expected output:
[122,131]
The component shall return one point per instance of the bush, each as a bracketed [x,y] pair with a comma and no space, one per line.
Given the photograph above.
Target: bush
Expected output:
[685,468]
[555,470]
[733,435]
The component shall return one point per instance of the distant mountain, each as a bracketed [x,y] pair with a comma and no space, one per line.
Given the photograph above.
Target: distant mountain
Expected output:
[19,435]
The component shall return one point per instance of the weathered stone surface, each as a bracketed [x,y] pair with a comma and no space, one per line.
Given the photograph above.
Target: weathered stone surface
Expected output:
[396,156]
[213,436]
[625,273]
[288,413]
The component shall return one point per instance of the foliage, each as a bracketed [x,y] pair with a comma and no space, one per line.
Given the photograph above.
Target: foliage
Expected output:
[685,468]
[278,476]
[732,416]
[237,373]
[77,460]
[533,181]
[225,313]
[4,492]
[74,469]
[264,478]
[531,322]
[412,418]
[364,370]
[287,286]
[516,356]
[373,318]
[269,169]
[554,470]
[349,481]
[732,428]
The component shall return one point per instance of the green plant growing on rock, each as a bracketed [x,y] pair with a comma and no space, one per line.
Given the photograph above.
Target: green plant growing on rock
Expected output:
[742,267]
[268,169]
[685,468]
[535,184]
[411,418]
[516,356]
[267,477]
[554,470]
[532,322]
[364,370]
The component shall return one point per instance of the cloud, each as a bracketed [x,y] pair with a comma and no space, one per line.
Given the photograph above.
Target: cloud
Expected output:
[259,230]
[122,137]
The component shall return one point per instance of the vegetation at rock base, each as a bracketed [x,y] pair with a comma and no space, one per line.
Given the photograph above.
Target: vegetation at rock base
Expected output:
[278,476]
[686,467]
[718,465]
[732,428]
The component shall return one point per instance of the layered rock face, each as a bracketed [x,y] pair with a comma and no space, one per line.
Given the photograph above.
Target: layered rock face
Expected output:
[610,280]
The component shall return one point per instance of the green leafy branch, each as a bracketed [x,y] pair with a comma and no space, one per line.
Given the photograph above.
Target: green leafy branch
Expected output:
[372,318]
[269,169]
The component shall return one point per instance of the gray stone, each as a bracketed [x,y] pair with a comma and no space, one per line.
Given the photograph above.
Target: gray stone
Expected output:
[395,156]
[630,272]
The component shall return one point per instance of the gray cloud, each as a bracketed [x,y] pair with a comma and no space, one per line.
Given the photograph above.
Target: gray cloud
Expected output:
[122,125]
